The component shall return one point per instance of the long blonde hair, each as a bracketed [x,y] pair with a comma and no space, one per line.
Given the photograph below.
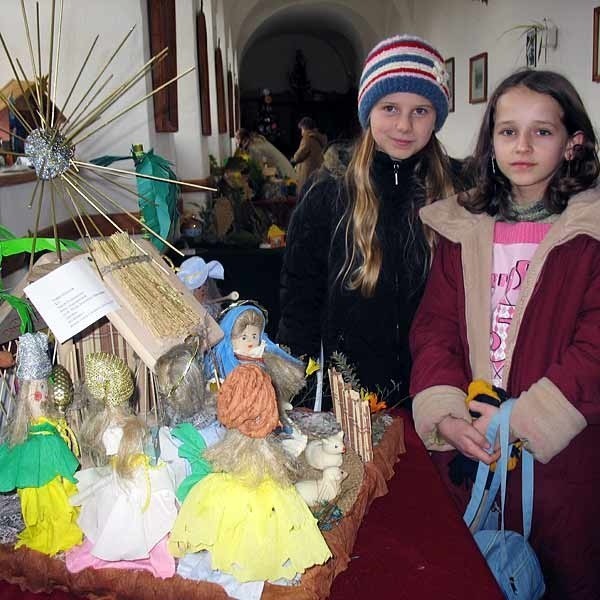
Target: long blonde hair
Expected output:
[364,256]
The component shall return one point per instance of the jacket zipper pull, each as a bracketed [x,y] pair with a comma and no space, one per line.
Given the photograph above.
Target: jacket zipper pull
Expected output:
[396,167]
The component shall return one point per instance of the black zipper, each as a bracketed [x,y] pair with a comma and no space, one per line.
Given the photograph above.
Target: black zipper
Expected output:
[396,169]
[397,315]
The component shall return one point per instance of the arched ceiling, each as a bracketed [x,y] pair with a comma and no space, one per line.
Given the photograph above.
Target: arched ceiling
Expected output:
[360,23]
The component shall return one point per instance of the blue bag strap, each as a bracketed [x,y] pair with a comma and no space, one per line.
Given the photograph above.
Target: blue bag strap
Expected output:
[527,492]
[501,421]
[483,470]
[526,469]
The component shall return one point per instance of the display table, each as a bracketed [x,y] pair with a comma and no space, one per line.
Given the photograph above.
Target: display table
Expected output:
[411,545]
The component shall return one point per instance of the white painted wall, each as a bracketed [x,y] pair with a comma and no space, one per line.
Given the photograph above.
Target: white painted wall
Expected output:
[111,19]
[463,28]
[460,28]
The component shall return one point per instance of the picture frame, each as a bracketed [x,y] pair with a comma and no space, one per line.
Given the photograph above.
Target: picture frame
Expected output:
[203,73]
[449,63]
[230,104]
[596,49]
[478,78]
[162,30]
[531,48]
[221,106]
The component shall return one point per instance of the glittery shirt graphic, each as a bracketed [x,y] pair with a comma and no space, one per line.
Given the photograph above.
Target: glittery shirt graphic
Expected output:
[514,247]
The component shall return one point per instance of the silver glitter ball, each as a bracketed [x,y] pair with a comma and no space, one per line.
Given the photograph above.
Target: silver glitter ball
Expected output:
[49,152]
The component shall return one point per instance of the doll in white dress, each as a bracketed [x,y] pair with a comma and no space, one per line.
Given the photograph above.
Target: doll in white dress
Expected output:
[128,505]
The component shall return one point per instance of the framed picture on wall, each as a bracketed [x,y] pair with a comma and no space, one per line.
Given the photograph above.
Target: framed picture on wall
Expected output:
[449,62]
[478,79]
[596,49]
[203,77]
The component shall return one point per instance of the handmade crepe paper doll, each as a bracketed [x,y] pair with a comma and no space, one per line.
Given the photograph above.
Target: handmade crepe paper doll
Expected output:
[190,414]
[245,341]
[247,514]
[128,505]
[38,459]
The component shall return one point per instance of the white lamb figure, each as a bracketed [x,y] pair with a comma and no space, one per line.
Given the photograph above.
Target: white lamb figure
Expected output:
[326,452]
[315,491]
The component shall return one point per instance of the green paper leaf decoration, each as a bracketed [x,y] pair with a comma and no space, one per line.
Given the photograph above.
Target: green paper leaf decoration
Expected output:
[158,199]
[9,247]
[23,308]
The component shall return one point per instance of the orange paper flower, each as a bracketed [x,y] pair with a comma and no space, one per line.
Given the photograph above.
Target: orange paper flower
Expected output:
[375,404]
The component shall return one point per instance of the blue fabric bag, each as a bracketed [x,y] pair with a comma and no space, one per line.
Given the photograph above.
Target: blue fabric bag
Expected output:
[508,554]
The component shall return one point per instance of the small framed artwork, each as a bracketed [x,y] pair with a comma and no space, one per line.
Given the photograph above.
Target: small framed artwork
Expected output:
[478,79]
[449,62]
[531,47]
[596,42]
[203,76]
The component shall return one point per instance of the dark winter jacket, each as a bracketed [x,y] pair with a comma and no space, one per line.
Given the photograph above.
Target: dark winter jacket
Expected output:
[371,332]
[552,368]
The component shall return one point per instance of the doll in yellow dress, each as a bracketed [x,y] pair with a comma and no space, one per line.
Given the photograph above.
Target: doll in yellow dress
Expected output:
[247,513]
[37,459]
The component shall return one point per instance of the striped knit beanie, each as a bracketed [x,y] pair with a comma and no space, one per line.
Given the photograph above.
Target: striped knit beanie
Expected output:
[403,63]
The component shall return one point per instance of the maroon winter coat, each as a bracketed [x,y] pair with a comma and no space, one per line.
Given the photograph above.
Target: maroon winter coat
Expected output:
[552,368]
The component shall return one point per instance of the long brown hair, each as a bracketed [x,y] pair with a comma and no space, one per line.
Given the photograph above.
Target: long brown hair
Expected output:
[364,256]
[493,188]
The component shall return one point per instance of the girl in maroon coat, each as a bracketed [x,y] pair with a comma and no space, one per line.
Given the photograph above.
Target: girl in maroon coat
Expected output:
[513,298]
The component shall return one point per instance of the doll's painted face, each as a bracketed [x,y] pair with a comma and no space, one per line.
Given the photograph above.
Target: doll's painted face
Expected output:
[111,438]
[201,293]
[37,396]
[245,342]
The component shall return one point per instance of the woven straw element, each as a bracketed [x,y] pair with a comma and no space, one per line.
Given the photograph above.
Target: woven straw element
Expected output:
[157,304]
[108,379]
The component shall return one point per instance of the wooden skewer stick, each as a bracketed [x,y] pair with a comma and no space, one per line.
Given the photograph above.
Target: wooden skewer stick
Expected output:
[233,296]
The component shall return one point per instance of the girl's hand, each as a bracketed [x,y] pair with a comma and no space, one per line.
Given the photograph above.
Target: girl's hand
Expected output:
[466,439]
[487,412]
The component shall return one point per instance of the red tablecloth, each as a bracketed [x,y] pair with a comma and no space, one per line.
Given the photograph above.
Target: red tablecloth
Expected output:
[412,545]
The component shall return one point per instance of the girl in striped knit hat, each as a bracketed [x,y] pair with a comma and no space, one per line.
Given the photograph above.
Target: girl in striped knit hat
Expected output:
[357,255]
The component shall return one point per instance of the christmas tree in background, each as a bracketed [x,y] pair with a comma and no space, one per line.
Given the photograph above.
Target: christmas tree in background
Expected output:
[267,124]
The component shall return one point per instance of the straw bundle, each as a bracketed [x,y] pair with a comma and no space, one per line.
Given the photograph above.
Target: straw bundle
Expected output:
[159,305]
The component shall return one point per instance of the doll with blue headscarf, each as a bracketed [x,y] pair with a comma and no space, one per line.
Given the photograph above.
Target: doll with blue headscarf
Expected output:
[245,341]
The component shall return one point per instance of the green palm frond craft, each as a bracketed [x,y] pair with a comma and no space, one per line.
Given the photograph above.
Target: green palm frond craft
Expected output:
[14,245]
[22,307]
[157,200]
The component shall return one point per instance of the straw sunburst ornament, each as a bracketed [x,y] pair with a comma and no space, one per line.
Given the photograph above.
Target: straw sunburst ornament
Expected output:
[52,136]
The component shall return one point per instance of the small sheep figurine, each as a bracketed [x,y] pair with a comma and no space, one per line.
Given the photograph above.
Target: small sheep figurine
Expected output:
[315,491]
[326,452]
